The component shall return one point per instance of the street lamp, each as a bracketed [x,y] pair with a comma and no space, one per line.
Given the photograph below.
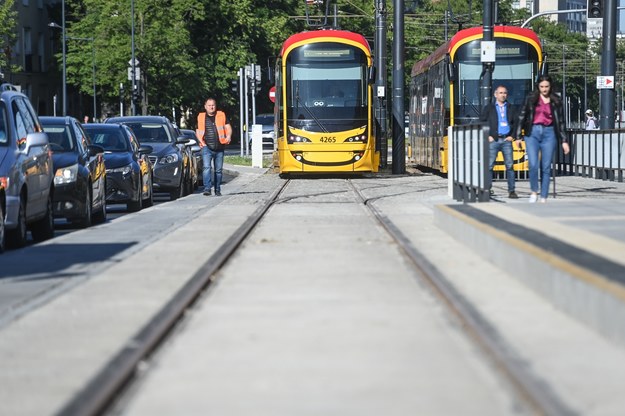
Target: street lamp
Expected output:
[62,27]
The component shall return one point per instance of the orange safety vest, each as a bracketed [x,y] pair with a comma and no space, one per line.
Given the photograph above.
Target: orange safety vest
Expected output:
[220,123]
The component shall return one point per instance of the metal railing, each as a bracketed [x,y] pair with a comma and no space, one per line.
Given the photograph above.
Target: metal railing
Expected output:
[594,154]
[471,179]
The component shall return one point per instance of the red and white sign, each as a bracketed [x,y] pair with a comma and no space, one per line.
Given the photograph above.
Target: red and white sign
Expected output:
[605,82]
[272,94]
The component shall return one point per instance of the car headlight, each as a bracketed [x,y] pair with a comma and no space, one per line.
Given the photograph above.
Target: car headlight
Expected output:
[124,170]
[170,158]
[66,175]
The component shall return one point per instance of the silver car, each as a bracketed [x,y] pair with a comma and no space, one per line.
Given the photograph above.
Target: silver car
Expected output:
[26,175]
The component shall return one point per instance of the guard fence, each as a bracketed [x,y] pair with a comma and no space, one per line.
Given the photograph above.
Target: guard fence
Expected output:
[594,154]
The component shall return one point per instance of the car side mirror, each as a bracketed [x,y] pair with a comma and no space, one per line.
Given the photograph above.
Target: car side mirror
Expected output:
[94,149]
[145,149]
[35,140]
[182,140]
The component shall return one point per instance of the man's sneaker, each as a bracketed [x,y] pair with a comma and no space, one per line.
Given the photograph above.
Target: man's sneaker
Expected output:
[217,193]
[533,198]
[513,195]
[207,192]
[543,200]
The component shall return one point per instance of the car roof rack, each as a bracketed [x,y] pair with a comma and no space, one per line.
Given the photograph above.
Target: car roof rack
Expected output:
[5,86]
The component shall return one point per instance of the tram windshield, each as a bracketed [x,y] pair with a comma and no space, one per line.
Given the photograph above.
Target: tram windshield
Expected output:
[326,87]
[514,68]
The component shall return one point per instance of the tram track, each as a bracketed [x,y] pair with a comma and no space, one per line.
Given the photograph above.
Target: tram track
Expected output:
[111,383]
[107,385]
[527,388]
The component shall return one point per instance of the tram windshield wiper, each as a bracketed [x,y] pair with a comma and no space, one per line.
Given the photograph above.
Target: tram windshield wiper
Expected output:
[308,110]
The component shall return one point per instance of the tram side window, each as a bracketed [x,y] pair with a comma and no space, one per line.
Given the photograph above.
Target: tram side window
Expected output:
[468,94]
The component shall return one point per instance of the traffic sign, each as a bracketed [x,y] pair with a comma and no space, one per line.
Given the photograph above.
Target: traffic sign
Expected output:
[605,82]
[272,94]
[137,74]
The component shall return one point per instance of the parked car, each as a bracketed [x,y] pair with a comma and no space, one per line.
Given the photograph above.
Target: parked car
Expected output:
[196,151]
[80,173]
[129,175]
[268,135]
[26,175]
[171,159]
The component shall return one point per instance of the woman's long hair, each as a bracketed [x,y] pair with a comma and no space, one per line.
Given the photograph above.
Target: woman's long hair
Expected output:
[552,95]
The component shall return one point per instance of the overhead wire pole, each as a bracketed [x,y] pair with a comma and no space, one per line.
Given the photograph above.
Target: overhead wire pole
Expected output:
[608,64]
[488,53]
[399,138]
[132,58]
[64,59]
[380,83]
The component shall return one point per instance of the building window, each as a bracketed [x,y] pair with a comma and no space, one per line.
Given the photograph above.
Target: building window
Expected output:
[28,50]
[41,52]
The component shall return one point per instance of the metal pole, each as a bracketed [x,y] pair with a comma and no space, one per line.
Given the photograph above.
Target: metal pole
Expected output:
[247,113]
[399,138]
[380,82]
[566,116]
[64,59]
[241,109]
[486,87]
[608,64]
[132,57]
[95,113]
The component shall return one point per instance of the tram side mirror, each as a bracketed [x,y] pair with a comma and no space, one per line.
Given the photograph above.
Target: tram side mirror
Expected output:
[371,75]
[544,69]
[451,72]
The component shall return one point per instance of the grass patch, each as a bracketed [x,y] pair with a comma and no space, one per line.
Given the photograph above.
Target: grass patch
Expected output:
[247,160]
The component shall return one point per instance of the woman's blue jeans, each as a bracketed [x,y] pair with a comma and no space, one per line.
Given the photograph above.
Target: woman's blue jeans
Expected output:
[543,140]
[208,156]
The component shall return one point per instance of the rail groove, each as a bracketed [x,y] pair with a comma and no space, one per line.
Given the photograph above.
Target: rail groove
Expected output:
[105,386]
[528,389]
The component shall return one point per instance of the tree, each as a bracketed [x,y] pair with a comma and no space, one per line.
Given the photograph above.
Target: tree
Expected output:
[8,34]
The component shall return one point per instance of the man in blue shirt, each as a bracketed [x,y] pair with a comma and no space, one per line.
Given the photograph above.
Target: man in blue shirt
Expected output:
[501,118]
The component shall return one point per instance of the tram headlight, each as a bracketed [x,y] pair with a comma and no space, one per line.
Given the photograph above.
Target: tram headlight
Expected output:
[361,138]
[292,138]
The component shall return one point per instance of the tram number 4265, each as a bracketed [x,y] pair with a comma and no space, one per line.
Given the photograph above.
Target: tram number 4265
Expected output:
[326,139]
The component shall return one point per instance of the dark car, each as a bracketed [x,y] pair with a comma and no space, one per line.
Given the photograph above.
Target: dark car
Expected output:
[196,150]
[80,173]
[26,175]
[170,159]
[128,170]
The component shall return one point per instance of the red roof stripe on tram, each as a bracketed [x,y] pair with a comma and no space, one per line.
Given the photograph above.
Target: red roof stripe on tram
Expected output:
[514,30]
[325,33]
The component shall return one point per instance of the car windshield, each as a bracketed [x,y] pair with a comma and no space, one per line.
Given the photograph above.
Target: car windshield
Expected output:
[151,132]
[60,138]
[110,140]
[265,120]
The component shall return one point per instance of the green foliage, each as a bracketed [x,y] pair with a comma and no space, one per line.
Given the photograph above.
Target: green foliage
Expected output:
[8,29]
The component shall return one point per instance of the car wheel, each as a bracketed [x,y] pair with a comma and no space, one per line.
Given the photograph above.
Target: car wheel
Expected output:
[2,239]
[17,238]
[178,192]
[134,206]
[43,229]
[149,201]
[85,220]
[100,216]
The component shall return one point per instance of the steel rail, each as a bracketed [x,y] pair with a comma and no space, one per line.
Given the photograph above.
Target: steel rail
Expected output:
[530,390]
[104,387]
